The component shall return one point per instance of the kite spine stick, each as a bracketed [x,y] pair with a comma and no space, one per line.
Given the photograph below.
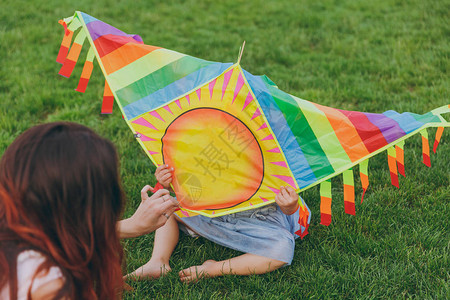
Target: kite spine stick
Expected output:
[441,110]
[241,51]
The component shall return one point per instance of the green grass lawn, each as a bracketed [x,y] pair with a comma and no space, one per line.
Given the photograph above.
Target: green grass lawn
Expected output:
[356,55]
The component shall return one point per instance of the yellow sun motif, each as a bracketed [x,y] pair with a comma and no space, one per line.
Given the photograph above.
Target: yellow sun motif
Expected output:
[224,153]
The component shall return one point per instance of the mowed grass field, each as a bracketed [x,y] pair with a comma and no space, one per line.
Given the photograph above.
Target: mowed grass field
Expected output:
[359,55]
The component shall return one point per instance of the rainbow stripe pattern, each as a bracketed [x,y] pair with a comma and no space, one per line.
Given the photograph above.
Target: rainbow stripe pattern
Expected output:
[151,85]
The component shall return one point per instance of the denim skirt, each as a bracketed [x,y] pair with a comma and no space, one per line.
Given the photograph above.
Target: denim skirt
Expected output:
[264,231]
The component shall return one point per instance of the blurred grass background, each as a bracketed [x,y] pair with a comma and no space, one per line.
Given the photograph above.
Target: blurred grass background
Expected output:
[356,55]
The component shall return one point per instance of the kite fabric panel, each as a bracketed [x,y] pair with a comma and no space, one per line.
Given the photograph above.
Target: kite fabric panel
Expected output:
[234,138]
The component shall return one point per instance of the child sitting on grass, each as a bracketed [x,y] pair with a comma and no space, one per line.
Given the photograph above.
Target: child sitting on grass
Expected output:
[266,235]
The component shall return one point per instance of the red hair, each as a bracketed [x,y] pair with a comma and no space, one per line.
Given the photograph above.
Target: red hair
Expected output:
[60,195]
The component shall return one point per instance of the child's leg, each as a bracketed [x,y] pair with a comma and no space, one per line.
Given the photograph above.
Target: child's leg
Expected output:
[245,264]
[166,238]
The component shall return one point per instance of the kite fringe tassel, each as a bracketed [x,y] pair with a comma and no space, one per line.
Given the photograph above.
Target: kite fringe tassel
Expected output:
[400,157]
[392,162]
[364,176]
[72,57]
[349,192]
[325,202]
[68,56]
[303,221]
[65,43]
[108,100]
[396,166]
[85,76]
[425,148]
[87,71]
[437,139]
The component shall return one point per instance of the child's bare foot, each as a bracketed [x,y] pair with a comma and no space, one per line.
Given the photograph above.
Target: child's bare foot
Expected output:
[194,273]
[153,269]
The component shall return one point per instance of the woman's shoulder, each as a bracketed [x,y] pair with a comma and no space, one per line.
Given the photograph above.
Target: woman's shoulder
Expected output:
[30,257]
[28,263]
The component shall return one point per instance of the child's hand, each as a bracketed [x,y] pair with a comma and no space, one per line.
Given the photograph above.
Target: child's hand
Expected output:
[164,175]
[287,200]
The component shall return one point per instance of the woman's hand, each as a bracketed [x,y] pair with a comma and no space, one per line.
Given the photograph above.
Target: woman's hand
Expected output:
[152,213]
[164,175]
[287,200]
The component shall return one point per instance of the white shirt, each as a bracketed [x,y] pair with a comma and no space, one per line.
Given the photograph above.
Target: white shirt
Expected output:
[27,264]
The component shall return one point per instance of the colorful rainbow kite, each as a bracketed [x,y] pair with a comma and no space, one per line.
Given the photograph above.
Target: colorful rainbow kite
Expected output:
[234,138]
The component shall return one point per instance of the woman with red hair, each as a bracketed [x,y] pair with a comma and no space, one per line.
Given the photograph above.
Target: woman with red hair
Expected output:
[60,204]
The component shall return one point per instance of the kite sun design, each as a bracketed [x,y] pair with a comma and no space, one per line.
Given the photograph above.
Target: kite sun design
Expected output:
[210,136]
